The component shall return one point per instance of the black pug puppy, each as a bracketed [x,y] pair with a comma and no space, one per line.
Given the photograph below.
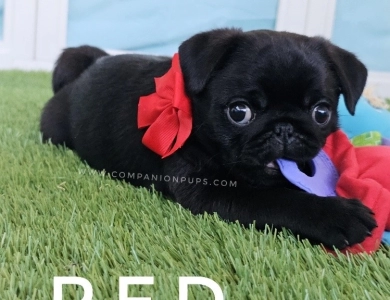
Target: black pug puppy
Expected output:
[256,96]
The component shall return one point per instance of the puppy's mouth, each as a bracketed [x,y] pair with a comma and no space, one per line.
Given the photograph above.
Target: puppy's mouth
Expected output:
[272,168]
[272,165]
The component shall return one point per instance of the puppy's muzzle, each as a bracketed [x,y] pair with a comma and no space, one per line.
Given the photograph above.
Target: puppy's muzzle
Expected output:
[284,133]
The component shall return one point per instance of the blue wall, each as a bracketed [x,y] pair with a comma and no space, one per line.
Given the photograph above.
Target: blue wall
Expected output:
[158,27]
[363,27]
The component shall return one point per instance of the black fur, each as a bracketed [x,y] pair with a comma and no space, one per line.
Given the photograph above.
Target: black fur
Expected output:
[72,63]
[280,76]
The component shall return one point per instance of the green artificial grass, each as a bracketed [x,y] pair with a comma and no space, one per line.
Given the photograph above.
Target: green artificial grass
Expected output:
[58,217]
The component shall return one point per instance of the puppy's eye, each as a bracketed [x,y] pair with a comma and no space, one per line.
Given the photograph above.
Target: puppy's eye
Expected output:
[321,114]
[239,113]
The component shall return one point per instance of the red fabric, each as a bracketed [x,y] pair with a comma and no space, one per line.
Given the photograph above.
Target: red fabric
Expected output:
[167,112]
[365,175]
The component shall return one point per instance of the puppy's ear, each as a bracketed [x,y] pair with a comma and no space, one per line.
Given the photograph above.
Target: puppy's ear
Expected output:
[351,72]
[203,53]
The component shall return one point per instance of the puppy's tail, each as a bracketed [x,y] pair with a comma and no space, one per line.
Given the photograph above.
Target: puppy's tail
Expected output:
[72,62]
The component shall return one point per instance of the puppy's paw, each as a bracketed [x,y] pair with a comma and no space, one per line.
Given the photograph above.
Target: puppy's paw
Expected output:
[349,223]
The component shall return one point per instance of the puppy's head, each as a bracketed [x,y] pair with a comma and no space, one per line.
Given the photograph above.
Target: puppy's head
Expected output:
[262,95]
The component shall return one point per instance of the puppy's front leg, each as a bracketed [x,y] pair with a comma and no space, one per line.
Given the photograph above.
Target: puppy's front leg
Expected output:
[332,221]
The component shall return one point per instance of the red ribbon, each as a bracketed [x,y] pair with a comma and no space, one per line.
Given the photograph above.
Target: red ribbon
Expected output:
[167,112]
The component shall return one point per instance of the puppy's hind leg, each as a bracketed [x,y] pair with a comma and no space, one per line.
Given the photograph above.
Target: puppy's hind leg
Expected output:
[55,119]
[55,115]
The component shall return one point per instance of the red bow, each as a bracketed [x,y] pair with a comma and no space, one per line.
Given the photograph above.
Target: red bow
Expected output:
[167,112]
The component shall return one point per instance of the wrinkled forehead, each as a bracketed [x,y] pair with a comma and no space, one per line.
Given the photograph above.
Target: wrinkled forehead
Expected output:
[278,69]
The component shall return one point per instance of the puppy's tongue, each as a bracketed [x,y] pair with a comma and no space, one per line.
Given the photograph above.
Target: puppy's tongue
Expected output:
[324,175]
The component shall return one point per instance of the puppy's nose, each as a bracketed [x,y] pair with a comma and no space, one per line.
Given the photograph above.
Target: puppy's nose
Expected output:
[284,132]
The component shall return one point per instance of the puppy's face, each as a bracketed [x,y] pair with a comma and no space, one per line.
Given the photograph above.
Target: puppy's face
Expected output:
[265,95]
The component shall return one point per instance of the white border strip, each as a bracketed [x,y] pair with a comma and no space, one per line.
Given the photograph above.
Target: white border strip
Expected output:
[291,15]
[380,83]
